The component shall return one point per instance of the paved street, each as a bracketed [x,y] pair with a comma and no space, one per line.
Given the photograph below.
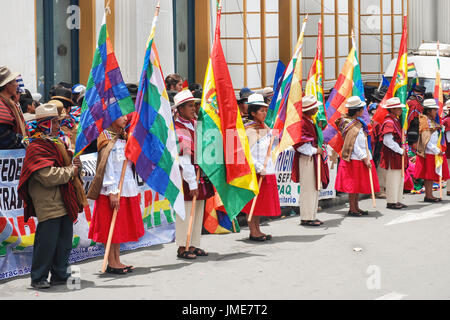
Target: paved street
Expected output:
[388,255]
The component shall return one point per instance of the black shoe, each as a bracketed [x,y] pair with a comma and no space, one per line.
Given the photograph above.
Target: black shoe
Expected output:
[40,284]
[403,205]
[58,282]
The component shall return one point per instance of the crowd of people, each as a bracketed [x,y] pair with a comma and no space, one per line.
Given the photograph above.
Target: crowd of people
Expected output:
[51,187]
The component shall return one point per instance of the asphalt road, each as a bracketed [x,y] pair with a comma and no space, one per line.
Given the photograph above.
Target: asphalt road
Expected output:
[387,255]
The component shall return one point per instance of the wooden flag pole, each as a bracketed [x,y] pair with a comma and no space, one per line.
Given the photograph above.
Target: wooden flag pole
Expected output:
[192,216]
[319,178]
[266,161]
[440,187]
[374,202]
[113,221]
[403,156]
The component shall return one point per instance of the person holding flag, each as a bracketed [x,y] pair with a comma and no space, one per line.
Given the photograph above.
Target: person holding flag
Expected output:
[356,162]
[392,153]
[428,149]
[305,164]
[259,139]
[195,182]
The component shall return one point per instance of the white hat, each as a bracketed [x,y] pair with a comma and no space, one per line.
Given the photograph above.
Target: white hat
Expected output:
[309,102]
[36,96]
[447,105]
[268,92]
[29,117]
[393,103]
[430,104]
[183,97]
[257,99]
[47,111]
[355,103]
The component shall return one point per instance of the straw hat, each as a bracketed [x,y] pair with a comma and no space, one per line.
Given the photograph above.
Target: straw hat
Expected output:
[256,99]
[60,107]
[6,76]
[268,92]
[430,104]
[47,111]
[355,103]
[309,102]
[184,97]
[29,117]
[447,106]
[393,103]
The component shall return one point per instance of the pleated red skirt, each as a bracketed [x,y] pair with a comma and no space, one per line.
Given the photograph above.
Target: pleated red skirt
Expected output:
[129,226]
[353,177]
[268,202]
[426,168]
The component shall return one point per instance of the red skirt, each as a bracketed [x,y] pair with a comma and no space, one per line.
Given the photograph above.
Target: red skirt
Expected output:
[426,168]
[268,202]
[129,225]
[353,177]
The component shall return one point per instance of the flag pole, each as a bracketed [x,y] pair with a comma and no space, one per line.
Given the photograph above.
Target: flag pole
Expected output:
[113,221]
[192,216]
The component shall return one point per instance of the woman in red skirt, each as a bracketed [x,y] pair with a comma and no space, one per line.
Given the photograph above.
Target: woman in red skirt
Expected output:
[258,133]
[353,172]
[428,150]
[104,190]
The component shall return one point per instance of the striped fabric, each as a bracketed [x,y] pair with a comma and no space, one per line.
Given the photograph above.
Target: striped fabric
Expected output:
[107,97]
[439,97]
[152,145]
[21,84]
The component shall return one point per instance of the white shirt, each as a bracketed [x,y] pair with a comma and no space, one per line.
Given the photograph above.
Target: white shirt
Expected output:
[113,172]
[259,154]
[389,142]
[307,149]
[360,147]
[432,144]
[188,169]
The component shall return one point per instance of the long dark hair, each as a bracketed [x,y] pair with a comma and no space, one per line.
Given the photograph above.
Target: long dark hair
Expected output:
[253,108]
[352,112]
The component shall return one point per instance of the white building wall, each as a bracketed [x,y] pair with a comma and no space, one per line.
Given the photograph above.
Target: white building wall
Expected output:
[18,51]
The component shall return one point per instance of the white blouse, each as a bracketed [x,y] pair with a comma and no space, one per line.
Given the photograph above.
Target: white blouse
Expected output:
[113,172]
[432,147]
[259,154]
[360,148]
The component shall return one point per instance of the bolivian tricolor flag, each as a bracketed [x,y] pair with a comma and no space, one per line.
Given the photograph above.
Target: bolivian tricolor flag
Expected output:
[439,97]
[399,84]
[223,151]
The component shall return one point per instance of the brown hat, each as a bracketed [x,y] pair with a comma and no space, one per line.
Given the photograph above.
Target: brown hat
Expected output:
[64,95]
[46,111]
[6,76]
[60,107]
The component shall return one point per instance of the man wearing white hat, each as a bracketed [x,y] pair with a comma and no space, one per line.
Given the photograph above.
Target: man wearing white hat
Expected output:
[428,150]
[185,125]
[305,165]
[392,153]
[446,124]
[12,124]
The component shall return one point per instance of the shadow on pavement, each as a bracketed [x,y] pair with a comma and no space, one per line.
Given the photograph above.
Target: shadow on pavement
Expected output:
[293,238]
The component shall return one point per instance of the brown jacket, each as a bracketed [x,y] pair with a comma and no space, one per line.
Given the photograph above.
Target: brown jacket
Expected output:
[349,135]
[425,132]
[44,189]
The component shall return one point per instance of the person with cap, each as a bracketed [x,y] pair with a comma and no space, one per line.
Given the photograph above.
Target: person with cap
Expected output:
[305,165]
[356,164]
[392,153]
[446,124]
[174,82]
[427,150]
[12,123]
[104,189]
[268,94]
[244,94]
[69,126]
[415,105]
[259,139]
[51,189]
[77,90]
[185,126]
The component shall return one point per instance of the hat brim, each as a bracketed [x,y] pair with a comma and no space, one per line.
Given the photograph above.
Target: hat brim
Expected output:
[186,101]
[316,105]
[12,76]
[394,107]
[258,104]
[63,98]
[361,105]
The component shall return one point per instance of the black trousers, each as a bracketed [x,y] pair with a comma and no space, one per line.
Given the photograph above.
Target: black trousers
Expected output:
[52,247]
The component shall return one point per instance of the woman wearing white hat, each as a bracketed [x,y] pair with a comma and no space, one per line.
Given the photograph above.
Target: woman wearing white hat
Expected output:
[446,124]
[392,153]
[185,125]
[259,137]
[427,150]
[353,172]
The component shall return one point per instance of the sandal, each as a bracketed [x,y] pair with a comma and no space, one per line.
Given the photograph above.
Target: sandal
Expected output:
[403,205]
[394,206]
[258,239]
[116,270]
[317,220]
[199,252]
[310,223]
[354,214]
[364,213]
[129,268]
[432,200]
[187,255]
[268,236]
